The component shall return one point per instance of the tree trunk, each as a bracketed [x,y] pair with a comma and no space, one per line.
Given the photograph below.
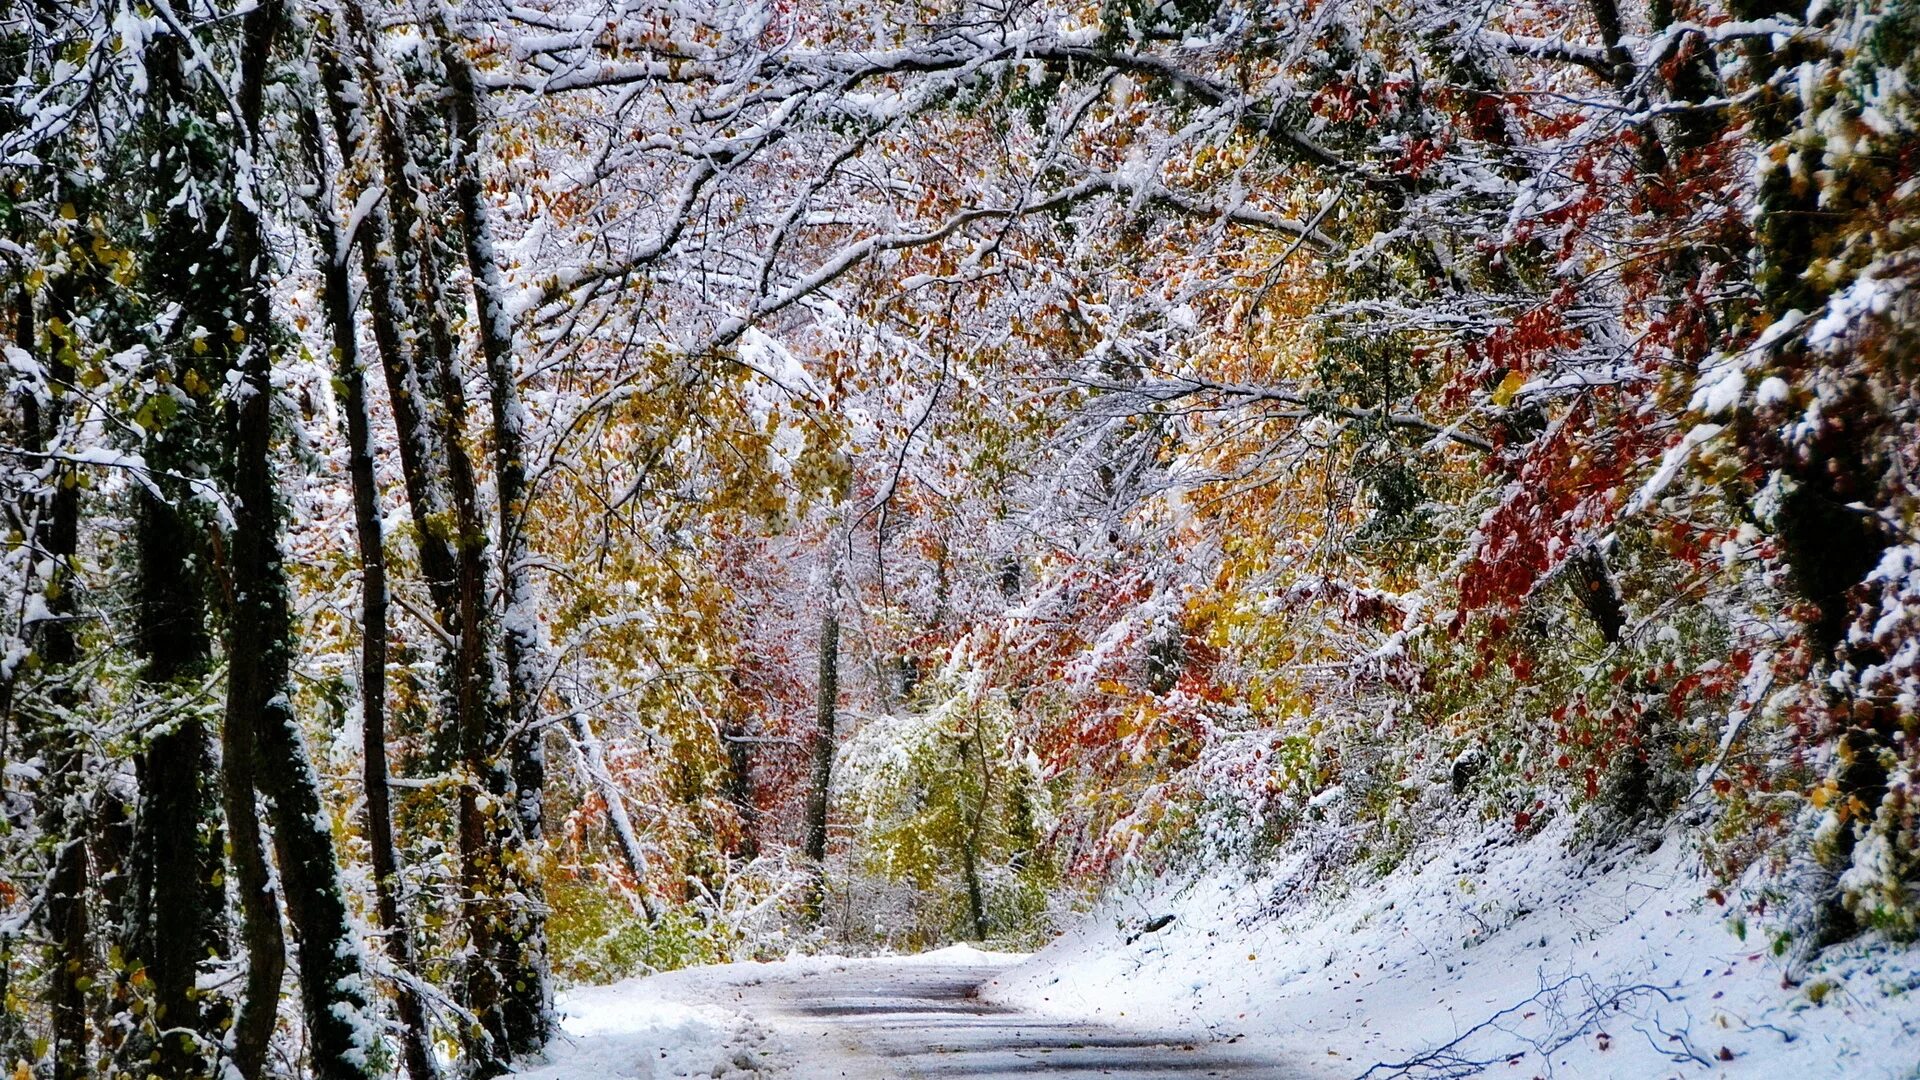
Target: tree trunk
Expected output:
[826,708]
[263,942]
[333,984]
[63,814]
[528,1003]
[739,746]
[976,828]
[389,227]
[177,910]
[176,918]
[593,763]
[369,531]
[417,355]
[15,1043]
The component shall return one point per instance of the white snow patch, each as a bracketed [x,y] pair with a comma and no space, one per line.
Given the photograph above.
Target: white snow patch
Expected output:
[1539,960]
[635,1030]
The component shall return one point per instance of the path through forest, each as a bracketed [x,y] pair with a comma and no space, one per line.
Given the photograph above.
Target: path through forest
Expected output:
[881,1019]
[878,1020]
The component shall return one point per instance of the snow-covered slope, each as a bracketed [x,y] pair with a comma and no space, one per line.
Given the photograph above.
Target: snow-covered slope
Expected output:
[1511,954]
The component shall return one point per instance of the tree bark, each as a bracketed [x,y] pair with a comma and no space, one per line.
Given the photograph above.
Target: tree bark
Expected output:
[593,762]
[826,709]
[417,354]
[177,915]
[378,142]
[395,932]
[528,998]
[63,814]
[976,828]
[333,985]
[262,939]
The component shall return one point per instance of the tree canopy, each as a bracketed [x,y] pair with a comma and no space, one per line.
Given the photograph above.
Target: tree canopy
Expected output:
[532,491]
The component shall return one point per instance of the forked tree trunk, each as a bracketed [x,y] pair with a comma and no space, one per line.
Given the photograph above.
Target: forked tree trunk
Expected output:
[366,136]
[417,354]
[334,992]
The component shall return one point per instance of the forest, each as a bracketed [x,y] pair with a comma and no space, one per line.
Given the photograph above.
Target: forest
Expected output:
[509,495]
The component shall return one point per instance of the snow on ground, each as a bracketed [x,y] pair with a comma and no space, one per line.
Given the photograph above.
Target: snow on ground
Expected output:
[627,1032]
[691,1023]
[1515,953]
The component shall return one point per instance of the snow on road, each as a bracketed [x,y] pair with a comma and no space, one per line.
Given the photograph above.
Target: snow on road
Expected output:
[1531,956]
[831,1018]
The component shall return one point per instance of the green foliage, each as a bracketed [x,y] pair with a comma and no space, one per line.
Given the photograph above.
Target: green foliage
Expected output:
[945,803]
[597,937]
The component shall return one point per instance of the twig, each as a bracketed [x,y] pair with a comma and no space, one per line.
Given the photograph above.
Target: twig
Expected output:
[1451,1061]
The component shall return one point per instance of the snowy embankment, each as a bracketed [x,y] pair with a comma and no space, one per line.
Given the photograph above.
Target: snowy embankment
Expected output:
[1515,955]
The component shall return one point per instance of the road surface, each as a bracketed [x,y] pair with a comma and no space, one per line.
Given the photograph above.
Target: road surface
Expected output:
[898,1020]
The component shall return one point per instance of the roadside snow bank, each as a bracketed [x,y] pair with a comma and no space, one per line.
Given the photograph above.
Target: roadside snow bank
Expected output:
[635,1030]
[1512,955]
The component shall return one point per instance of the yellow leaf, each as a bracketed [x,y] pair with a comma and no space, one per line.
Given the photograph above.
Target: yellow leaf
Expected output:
[1508,387]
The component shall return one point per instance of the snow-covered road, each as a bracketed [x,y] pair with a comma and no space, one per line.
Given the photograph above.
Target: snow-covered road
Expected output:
[845,1019]
[877,1020]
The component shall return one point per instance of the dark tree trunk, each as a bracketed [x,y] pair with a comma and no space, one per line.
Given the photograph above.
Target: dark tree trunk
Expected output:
[417,355]
[177,908]
[527,998]
[739,744]
[333,982]
[1599,594]
[976,828]
[368,528]
[389,226]
[177,846]
[263,942]
[63,815]
[177,916]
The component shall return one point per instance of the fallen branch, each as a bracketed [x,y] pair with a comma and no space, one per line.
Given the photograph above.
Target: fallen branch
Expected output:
[1453,1060]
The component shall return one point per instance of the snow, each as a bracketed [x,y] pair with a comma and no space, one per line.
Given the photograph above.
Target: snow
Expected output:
[1536,955]
[690,1023]
[1671,463]
[629,1031]
[1541,961]
[1865,296]
[1720,395]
